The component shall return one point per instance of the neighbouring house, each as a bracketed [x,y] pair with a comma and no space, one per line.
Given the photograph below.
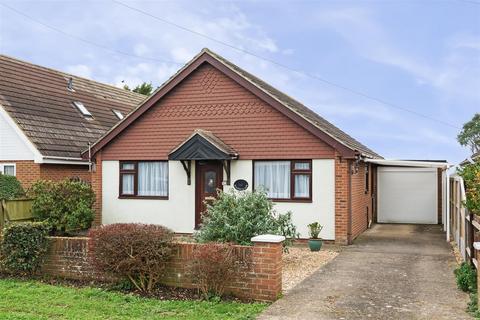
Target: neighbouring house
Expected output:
[215,126]
[48,117]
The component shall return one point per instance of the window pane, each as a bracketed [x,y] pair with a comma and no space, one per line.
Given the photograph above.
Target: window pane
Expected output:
[210,181]
[127,183]
[274,178]
[302,186]
[152,178]
[302,165]
[128,166]
[9,170]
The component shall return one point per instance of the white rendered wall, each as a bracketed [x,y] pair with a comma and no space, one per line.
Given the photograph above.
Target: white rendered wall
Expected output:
[322,207]
[12,146]
[178,212]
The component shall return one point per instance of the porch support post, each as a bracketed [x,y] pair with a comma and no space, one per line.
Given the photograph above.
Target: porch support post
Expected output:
[226,167]
[187,166]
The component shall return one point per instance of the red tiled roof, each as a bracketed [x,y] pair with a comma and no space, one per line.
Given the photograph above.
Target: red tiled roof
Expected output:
[38,100]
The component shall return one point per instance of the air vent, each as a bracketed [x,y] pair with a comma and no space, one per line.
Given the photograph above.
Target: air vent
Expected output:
[83,110]
[119,115]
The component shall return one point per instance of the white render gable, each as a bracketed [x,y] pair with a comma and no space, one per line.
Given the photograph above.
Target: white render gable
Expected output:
[14,145]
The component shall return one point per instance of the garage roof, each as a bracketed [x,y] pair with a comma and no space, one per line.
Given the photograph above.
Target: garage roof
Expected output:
[411,163]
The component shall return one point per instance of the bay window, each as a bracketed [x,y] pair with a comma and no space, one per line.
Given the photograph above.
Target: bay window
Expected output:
[144,179]
[284,180]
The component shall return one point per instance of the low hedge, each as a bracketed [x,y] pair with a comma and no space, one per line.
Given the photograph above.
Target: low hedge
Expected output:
[23,247]
[137,252]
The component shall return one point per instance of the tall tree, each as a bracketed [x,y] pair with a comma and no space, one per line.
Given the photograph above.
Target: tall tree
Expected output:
[470,134]
[144,88]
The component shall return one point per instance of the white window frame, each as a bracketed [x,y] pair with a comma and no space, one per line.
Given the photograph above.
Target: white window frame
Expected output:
[83,110]
[8,164]
[118,114]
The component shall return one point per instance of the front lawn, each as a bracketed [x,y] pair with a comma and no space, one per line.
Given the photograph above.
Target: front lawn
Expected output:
[36,300]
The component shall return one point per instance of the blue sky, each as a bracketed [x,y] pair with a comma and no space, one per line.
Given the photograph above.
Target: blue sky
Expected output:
[419,55]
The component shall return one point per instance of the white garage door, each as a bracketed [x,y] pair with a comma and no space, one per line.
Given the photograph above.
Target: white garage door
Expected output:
[407,195]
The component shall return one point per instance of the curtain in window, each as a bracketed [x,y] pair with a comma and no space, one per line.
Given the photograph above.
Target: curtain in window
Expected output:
[9,170]
[302,186]
[127,183]
[274,178]
[152,178]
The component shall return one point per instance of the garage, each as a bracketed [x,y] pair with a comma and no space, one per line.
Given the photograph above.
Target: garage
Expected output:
[407,195]
[410,191]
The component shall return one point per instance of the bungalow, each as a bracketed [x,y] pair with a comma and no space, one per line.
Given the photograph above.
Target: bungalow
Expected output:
[48,117]
[215,126]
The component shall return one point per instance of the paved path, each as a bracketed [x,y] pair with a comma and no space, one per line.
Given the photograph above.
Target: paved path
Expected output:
[390,272]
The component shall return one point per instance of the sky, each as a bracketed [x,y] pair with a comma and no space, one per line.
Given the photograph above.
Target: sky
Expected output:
[422,58]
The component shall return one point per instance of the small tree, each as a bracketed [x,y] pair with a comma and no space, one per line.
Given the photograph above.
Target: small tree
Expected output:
[144,88]
[237,217]
[471,177]
[66,205]
[10,187]
[137,252]
[470,134]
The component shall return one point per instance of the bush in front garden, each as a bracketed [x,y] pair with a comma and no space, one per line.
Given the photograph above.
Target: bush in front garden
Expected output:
[237,217]
[137,252]
[66,205]
[23,246]
[213,266]
[466,277]
[10,188]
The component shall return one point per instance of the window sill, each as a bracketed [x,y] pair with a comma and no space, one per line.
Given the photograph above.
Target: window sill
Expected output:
[144,197]
[293,200]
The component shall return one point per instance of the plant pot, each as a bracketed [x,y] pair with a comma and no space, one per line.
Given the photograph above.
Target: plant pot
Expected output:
[315,244]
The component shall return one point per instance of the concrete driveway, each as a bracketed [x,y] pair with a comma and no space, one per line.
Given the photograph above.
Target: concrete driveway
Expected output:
[390,272]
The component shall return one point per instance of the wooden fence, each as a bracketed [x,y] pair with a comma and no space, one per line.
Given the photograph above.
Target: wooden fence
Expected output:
[464,225]
[15,210]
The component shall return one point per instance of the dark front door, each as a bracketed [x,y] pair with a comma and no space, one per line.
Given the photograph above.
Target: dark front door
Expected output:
[208,178]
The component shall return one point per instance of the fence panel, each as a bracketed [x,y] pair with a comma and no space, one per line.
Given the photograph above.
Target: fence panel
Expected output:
[16,210]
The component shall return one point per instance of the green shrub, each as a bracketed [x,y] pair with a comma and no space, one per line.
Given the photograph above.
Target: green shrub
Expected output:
[314,229]
[66,205]
[23,246]
[471,176]
[237,217]
[213,267]
[10,187]
[466,277]
[137,252]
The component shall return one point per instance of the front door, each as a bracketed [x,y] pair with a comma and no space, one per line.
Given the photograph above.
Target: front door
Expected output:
[208,178]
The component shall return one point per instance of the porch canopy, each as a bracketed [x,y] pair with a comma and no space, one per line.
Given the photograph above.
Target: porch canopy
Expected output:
[203,145]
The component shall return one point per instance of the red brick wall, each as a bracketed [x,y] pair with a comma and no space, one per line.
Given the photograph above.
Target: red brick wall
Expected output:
[361,201]
[96,180]
[69,258]
[27,172]
[208,99]
[56,172]
[342,200]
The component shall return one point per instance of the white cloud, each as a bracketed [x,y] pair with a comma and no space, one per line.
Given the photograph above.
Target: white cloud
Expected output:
[456,74]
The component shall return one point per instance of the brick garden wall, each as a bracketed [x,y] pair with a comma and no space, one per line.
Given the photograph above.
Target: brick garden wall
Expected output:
[262,281]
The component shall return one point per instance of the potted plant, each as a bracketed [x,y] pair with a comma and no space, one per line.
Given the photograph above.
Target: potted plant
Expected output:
[315,243]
